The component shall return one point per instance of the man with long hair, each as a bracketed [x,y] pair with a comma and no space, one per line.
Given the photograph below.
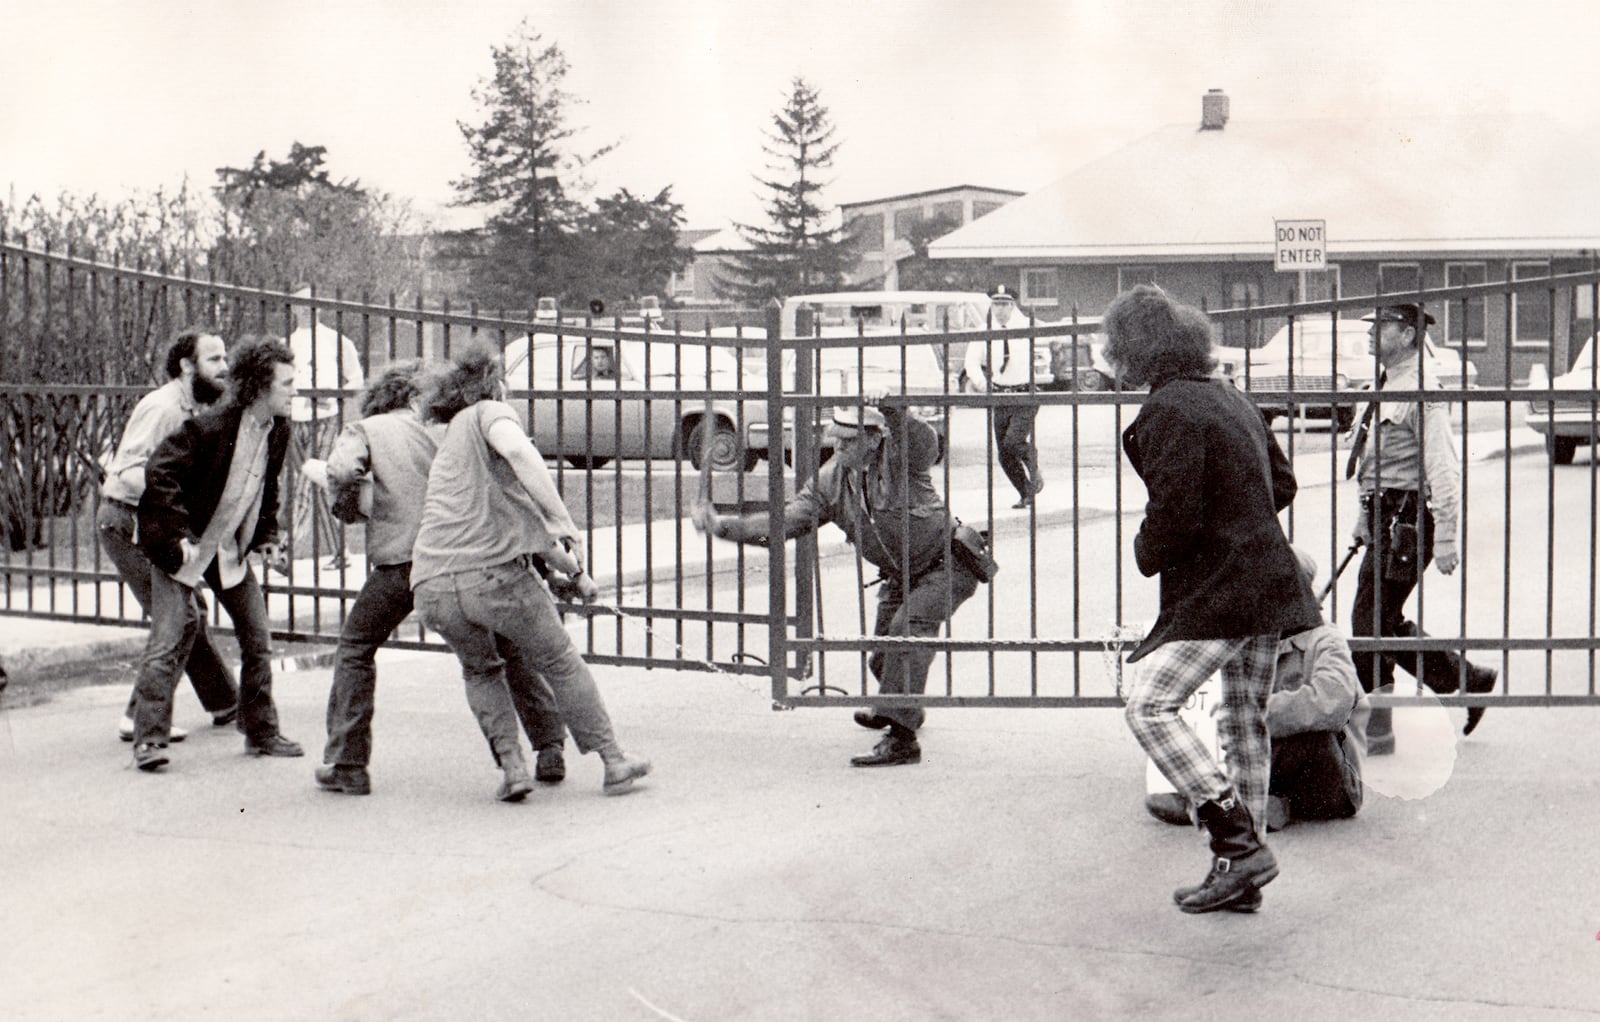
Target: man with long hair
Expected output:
[210,501]
[197,375]
[1216,480]
[491,508]
[389,452]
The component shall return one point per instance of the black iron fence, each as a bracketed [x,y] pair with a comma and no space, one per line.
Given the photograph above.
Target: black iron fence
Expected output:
[642,423]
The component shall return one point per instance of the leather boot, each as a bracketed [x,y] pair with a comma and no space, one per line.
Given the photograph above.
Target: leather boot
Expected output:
[1240,863]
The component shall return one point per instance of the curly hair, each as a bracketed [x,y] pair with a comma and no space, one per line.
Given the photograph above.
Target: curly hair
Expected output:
[1154,339]
[252,366]
[472,376]
[393,390]
[182,348]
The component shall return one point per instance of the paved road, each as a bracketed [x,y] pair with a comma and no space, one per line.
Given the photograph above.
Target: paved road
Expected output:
[756,876]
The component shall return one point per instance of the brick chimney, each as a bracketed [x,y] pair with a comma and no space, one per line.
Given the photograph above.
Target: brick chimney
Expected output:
[1213,110]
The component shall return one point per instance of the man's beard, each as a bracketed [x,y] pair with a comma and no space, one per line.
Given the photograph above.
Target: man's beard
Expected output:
[206,392]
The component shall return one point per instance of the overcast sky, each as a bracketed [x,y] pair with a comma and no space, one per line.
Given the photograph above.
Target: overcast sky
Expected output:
[113,95]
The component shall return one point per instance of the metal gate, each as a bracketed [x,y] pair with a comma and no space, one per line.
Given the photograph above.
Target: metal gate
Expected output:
[732,416]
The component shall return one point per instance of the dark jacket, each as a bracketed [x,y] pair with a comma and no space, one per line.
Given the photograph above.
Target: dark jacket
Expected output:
[1216,480]
[184,480]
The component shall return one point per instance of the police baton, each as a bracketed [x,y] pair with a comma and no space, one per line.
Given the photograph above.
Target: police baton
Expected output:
[1349,555]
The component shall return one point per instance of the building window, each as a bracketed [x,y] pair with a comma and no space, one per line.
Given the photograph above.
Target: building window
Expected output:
[1041,288]
[906,221]
[950,211]
[1463,317]
[1399,278]
[1129,276]
[1530,310]
[1243,292]
[1322,285]
[682,282]
[866,231]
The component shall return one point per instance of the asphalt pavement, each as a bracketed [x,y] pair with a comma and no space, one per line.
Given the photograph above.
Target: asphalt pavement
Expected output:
[1013,874]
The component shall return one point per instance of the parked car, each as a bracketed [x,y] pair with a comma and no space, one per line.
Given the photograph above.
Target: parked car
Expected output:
[880,313]
[1326,358]
[1565,423]
[607,415]
[545,311]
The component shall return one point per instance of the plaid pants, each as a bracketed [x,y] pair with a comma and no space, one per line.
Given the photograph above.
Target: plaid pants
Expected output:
[1166,679]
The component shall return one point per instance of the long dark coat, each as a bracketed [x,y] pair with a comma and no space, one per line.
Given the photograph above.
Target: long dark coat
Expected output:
[184,479]
[1216,480]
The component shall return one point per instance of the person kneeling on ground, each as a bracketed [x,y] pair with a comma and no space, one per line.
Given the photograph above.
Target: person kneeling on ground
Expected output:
[1317,724]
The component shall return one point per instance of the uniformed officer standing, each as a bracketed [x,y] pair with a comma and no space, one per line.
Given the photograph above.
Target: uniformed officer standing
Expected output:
[1405,455]
[1005,367]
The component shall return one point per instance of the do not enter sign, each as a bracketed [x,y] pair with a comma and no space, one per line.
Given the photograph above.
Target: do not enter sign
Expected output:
[1299,245]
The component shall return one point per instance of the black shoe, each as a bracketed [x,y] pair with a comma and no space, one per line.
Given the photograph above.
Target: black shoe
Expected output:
[351,780]
[1240,862]
[551,768]
[1169,807]
[1023,502]
[871,721]
[225,717]
[272,745]
[1479,679]
[148,756]
[891,750]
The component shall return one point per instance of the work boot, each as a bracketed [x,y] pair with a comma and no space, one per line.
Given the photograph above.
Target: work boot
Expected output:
[517,783]
[551,766]
[898,747]
[1479,679]
[1240,862]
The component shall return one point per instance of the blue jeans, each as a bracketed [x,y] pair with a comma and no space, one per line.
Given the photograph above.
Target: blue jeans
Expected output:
[208,673]
[176,620]
[481,610]
[383,604]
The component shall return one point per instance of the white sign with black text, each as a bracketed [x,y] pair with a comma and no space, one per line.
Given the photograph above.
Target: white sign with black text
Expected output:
[1299,245]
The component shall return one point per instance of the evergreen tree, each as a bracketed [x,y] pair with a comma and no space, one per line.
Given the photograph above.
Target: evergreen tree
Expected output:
[522,164]
[793,253]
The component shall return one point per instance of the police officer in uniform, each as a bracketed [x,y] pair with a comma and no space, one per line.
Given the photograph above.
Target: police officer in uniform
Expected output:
[1404,454]
[878,489]
[1005,367]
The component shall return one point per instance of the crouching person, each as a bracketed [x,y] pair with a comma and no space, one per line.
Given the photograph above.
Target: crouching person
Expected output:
[1317,722]
[491,508]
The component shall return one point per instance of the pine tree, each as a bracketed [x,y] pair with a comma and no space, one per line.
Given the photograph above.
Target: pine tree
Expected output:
[794,253]
[522,163]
